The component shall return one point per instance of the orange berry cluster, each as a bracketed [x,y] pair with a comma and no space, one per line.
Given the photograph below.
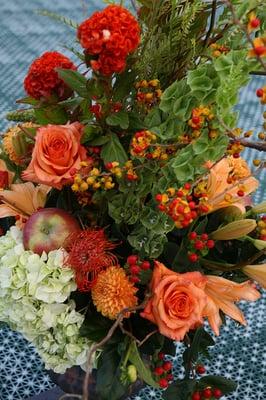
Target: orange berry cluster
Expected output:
[143,145]
[234,149]
[179,205]
[261,93]
[149,92]
[218,49]
[261,228]
[200,116]
[91,178]
[162,370]
[135,266]
[127,170]
[199,246]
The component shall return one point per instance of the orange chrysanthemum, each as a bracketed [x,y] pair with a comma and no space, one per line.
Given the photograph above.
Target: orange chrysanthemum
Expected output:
[113,292]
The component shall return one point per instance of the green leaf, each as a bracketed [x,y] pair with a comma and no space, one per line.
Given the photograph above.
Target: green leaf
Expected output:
[113,150]
[95,327]
[108,384]
[51,114]
[90,132]
[180,390]
[143,371]
[74,80]
[123,85]
[153,118]
[99,141]
[118,119]
[225,385]
[27,100]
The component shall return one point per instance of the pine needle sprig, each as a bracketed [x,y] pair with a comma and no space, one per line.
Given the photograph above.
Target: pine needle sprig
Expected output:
[59,18]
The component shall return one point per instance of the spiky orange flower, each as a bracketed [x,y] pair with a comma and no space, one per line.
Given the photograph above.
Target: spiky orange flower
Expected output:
[14,143]
[113,292]
[88,255]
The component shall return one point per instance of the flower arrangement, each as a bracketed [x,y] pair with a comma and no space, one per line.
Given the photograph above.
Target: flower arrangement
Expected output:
[126,214]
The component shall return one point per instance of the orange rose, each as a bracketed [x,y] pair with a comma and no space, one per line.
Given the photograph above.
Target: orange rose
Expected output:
[57,152]
[178,301]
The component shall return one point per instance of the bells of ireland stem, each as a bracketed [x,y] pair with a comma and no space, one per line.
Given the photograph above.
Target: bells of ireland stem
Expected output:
[234,230]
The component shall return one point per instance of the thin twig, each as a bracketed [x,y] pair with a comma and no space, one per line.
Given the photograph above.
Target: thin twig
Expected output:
[212,21]
[100,344]
[26,131]
[244,29]
[147,337]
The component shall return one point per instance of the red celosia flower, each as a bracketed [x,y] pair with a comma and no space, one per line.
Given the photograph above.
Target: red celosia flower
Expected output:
[42,79]
[88,255]
[111,35]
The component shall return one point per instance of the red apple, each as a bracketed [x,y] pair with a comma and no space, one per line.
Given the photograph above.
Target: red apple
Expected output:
[48,229]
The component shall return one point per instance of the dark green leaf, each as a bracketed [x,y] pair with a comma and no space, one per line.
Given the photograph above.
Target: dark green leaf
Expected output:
[108,384]
[28,100]
[95,327]
[113,150]
[90,132]
[225,385]
[118,119]
[99,141]
[143,371]
[74,80]
[51,115]
[180,390]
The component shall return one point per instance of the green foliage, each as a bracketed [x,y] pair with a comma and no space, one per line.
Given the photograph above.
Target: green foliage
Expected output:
[50,114]
[124,207]
[58,18]
[144,371]
[95,328]
[180,389]
[225,385]
[75,81]
[118,119]
[113,150]
[147,242]
[109,386]
[21,115]
[199,344]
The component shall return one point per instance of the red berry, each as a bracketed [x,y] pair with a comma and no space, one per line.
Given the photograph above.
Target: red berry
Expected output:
[189,198]
[207,393]
[134,269]
[192,205]
[263,237]
[158,197]
[204,236]
[96,150]
[255,23]
[260,50]
[236,155]
[196,396]
[185,223]
[161,355]
[163,383]
[179,193]
[187,186]
[204,208]
[180,209]
[161,207]
[217,393]
[17,217]
[187,216]
[167,366]
[241,193]
[193,257]
[210,244]
[170,377]
[193,235]
[263,218]
[131,260]
[134,279]
[259,92]
[109,165]
[200,369]
[194,214]
[145,265]
[199,245]
[158,371]
[139,134]
[196,120]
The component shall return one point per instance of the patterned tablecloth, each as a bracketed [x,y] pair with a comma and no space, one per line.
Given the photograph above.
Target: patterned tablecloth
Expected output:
[240,352]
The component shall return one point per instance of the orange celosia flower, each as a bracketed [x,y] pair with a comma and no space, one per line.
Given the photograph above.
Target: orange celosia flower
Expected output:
[222,294]
[113,292]
[259,48]
[257,273]
[22,200]
[220,193]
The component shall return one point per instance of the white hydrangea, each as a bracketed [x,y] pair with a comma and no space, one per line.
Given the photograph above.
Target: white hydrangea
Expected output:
[33,294]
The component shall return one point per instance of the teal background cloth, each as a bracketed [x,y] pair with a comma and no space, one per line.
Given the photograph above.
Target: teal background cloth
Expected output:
[240,352]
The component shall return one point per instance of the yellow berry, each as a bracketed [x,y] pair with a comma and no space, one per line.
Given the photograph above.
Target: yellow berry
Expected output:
[261,136]
[109,185]
[96,185]
[154,82]
[165,198]
[261,224]
[144,83]
[75,187]
[149,96]
[90,180]
[158,92]
[83,164]
[77,179]
[95,172]
[248,133]
[216,53]
[84,186]
[171,191]
[263,232]
[115,164]
[256,162]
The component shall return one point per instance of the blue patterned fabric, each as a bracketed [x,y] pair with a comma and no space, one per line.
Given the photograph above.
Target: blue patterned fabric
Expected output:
[240,352]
